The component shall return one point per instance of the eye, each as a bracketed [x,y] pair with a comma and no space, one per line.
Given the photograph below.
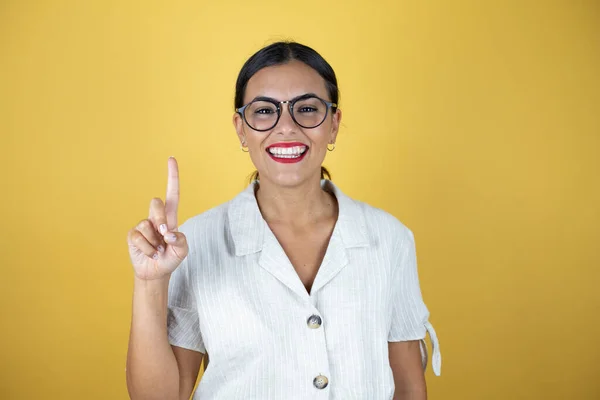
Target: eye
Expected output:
[311,105]
[306,109]
[264,110]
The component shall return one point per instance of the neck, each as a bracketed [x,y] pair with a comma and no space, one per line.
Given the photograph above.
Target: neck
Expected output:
[298,205]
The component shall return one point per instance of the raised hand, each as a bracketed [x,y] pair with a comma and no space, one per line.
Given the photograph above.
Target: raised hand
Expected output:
[156,247]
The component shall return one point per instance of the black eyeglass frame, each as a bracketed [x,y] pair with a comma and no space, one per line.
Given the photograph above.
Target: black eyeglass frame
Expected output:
[290,104]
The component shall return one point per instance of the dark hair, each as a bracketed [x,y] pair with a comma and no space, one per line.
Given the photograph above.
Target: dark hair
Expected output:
[281,53]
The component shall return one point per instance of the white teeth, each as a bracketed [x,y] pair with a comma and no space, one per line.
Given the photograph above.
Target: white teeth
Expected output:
[287,152]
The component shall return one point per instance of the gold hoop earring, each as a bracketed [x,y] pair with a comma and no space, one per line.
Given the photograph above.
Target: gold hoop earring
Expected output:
[243,146]
[332,148]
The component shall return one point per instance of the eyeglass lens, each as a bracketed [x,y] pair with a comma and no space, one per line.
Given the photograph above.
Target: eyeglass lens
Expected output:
[308,113]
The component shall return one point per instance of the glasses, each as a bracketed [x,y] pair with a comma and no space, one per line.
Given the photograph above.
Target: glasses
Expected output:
[263,113]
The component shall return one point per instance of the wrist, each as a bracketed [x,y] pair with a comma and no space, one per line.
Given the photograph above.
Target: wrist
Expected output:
[157,285]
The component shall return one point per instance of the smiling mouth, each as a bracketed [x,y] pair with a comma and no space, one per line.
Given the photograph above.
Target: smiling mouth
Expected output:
[287,153]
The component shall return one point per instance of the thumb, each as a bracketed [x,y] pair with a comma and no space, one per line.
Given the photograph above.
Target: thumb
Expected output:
[177,243]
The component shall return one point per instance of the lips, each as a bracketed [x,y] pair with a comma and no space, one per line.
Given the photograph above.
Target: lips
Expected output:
[287,152]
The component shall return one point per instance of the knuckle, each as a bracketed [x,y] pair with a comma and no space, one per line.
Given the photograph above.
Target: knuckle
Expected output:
[145,224]
[137,238]
[156,202]
[153,240]
[160,217]
[131,234]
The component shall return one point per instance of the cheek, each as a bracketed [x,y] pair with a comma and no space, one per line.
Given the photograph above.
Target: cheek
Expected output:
[255,142]
[320,137]
[254,139]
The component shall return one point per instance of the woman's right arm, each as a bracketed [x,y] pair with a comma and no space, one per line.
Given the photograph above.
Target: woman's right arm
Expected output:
[155,369]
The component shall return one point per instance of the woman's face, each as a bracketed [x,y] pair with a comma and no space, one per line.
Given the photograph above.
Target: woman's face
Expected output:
[287,154]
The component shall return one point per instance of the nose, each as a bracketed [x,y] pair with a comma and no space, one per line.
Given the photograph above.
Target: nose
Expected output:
[286,123]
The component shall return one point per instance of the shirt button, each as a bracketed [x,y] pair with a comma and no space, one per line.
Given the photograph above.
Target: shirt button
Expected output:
[321,382]
[314,321]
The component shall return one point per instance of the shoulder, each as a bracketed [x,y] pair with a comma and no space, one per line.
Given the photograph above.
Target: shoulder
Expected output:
[210,216]
[213,226]
[381,223]
[208,226]
[381,227]
[387,233]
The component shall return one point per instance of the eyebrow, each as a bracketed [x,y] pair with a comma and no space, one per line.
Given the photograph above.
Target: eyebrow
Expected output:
[273,100]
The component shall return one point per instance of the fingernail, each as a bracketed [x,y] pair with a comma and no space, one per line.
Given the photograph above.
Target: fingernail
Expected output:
[170,237]
[160,248]
[155,256]
[162,229]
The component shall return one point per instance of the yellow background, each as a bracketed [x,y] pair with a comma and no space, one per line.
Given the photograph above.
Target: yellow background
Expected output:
[476,123]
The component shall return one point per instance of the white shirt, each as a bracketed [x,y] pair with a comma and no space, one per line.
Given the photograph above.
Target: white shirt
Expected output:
[237,296]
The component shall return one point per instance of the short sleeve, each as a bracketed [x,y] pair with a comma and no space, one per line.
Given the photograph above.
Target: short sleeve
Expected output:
[410,316]
[183,324]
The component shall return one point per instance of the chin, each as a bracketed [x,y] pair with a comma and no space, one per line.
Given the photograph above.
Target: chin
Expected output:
[288,179]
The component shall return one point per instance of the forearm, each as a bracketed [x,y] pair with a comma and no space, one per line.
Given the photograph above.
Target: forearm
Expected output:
[416,394]
[152,371]
[406,364]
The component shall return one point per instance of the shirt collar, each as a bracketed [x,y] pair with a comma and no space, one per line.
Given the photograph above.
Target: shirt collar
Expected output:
[247,225]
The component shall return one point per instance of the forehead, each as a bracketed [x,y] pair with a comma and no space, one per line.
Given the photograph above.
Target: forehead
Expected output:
[285,81]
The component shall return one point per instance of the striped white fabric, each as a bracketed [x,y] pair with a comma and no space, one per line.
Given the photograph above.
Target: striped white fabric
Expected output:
[238,297]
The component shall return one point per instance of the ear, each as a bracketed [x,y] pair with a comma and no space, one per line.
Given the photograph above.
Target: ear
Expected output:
[335,125]
[238,124]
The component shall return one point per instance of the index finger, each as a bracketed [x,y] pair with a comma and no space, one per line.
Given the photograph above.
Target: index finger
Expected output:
[172,199]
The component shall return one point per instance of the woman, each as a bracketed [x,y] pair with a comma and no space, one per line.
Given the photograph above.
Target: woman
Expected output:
[293,289]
